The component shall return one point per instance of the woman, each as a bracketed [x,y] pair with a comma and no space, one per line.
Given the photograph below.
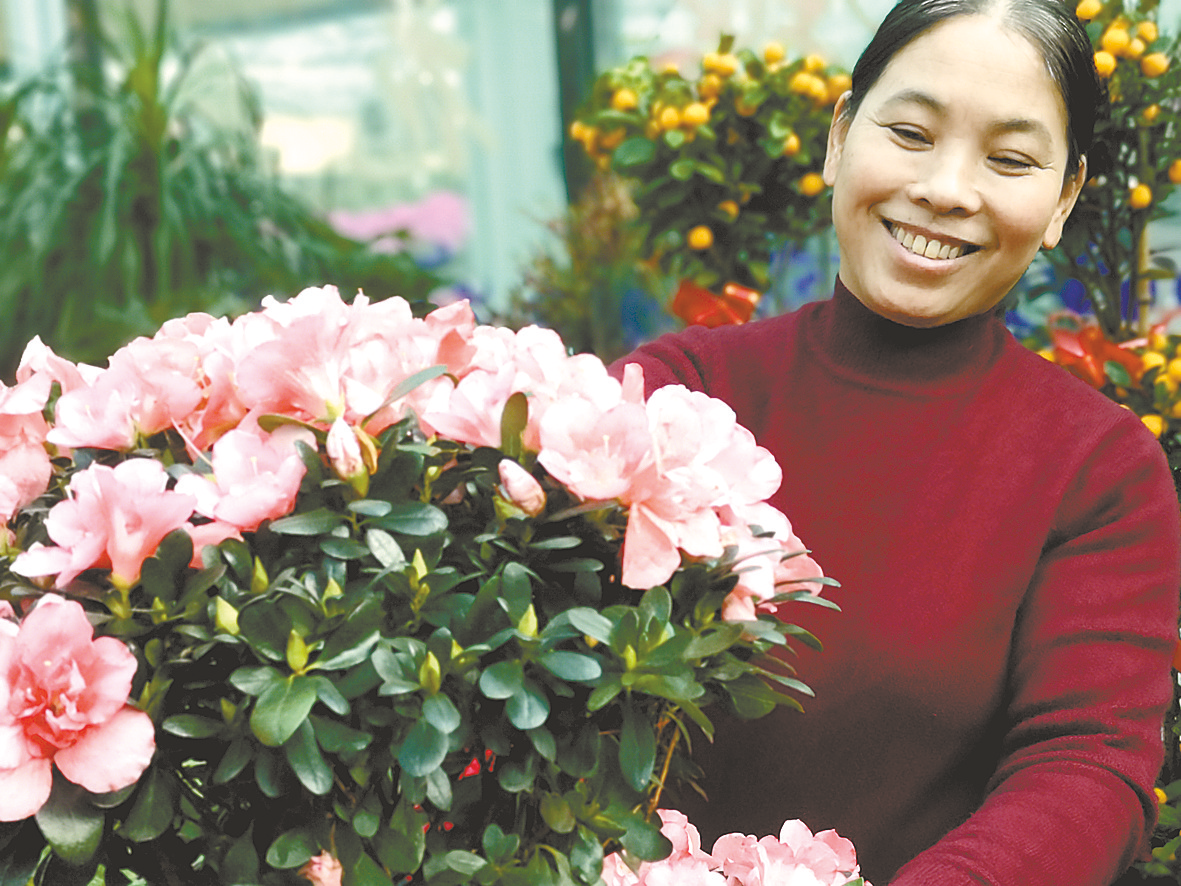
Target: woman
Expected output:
[988,704]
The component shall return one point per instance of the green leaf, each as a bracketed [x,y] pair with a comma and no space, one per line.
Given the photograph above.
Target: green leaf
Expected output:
[572,666]
[423,750]
[384,548]
[603,694]
[644,840]
[370,507]
[591,623]
[414,518]
[266,626]
[586,855]
[637,748]
[155,805]
[71,825]
[365,872]
[556,812]
[632,153]
[192,726]
[503,679]
[497,845]
[517,590]
[318,522]
[233,761]
[528,708]
[337,738]
[306,761]
[513,419]
[400,846]
[657,605]
[682,169]
[408,384]
[441,713]
[714,641]
[350,643]
[544,742]
[332,697]
[1117,373]
[281,708]
[291,850]
[752,698]
[343,548]
[255,680]
[240,864]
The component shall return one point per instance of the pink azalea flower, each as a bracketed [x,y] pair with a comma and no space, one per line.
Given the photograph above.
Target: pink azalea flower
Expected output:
[151,385]
[472,411]
[796,858]
[599,456]
[768,564]
[323,870]
[113,518]
[63,703]
[255,477]
[39,359]
[25,467]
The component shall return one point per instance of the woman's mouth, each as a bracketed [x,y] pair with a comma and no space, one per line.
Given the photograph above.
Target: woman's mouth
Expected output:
[929,247]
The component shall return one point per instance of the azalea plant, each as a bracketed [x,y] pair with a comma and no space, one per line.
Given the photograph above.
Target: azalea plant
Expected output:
[332,593]
[726,164]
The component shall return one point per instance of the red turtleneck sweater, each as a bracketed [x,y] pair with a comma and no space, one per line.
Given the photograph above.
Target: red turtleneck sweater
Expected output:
[989,702]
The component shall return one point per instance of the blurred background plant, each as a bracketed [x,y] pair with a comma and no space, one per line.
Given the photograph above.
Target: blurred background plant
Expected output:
[127,203]
[1135,164]
[593,288]
[725,165]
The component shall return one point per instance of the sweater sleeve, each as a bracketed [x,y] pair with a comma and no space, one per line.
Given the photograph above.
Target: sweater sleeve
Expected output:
[1071,803]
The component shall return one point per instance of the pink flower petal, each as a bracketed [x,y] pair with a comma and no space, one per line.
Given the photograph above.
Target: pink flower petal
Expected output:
[24,789]
[110,756]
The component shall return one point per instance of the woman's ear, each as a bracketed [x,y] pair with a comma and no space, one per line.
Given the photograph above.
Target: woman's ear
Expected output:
[1070,191]
[837,131]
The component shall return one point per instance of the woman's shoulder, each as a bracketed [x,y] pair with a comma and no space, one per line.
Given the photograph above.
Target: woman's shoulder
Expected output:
[699,357]
[1061,407]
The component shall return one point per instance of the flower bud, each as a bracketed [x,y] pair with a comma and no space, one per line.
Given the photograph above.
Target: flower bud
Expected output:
[521,488]
[344,452]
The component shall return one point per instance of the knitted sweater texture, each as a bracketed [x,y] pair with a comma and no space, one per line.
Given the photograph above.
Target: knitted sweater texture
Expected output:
[988,704]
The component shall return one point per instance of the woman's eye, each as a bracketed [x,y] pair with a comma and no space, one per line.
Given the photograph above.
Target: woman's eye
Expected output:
[908,134]
[1013,164]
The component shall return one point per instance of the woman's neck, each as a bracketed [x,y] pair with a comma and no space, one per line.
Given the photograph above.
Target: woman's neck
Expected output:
[866,344]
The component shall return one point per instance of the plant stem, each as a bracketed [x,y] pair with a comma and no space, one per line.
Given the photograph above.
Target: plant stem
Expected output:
[668,758]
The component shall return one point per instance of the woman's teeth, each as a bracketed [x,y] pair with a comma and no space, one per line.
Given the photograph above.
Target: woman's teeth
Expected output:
[920,245]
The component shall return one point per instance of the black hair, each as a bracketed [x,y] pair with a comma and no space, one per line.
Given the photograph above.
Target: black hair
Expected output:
[1050,25]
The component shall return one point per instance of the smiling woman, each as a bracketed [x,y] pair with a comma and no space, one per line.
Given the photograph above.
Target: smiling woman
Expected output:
[989,703]
[950,174]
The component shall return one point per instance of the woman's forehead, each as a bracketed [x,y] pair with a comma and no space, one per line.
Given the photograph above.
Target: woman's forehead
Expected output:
[979,59]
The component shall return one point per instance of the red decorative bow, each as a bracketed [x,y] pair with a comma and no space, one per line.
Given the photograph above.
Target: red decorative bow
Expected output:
[699,306]
[1081,347]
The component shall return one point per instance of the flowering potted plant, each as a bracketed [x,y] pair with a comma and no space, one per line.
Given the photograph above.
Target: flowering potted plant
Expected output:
[334,593]
[1135,164]
[726,165]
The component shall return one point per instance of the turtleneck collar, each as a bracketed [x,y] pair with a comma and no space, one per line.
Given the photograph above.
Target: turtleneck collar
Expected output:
[881,353]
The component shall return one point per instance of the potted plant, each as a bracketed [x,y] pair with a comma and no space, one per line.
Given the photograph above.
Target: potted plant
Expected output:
[726,165]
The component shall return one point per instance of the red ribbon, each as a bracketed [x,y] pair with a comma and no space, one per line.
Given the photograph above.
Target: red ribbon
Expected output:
[1081,347]
[699,306]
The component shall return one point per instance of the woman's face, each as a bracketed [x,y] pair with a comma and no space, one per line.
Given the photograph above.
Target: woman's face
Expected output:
[951,175]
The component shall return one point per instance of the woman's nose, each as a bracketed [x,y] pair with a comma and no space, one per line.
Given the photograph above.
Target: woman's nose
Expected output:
[946,183]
